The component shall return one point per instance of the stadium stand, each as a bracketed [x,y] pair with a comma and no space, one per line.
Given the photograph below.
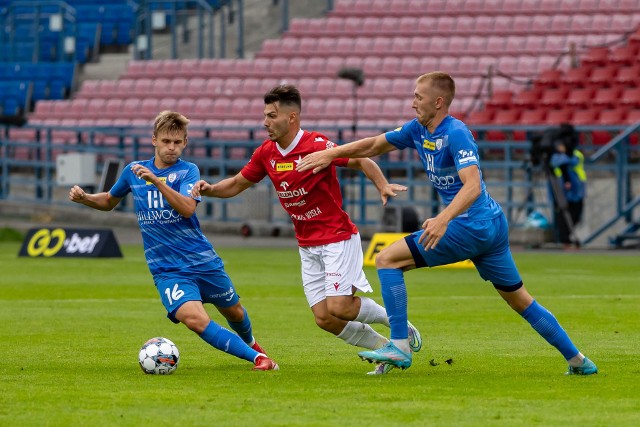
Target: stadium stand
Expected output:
[508,42]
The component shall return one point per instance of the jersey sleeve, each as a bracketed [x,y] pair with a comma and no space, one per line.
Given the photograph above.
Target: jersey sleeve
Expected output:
[191,177]
[254,171]
[463,149]
[122,187]
[401,137]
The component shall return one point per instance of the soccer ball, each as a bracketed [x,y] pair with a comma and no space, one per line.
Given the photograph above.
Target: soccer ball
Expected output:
[159,356]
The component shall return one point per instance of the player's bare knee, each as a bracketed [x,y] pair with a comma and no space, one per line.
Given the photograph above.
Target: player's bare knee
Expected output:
[383,260]
[323,322]
[342,307]
[196,323]
[329,324]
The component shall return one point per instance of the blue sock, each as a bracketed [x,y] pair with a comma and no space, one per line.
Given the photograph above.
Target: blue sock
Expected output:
[546,325]
[227,341]
[394,295]
[243,328]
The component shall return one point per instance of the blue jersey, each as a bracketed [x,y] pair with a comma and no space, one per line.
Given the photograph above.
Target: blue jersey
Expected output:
[443,153]
[172,243]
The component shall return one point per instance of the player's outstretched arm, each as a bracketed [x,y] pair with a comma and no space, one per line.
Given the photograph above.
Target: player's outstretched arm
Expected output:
[367,147]
[224,189]
[375,175]
[99,201]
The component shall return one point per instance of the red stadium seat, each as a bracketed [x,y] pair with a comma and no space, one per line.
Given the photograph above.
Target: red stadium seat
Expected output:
[630,97]
[533,44]
[556,117]
[497,45]
[549,78]
[500,99]
[484,24]
[633,117]
[553,97]
[628,76]
[625,55]
[597,56]
[370,108]
[347,46]
[580,97]
[527,98]
[581,23]
[142,87]
[504,25]
[532,117]
[585,117]
[614,116]
[540,24]
[480,117]
[607,97]
[577,76]
[307,46]
[78,106]
[381,45]
[520,24]
[603,76]
[506,117]
[555,44]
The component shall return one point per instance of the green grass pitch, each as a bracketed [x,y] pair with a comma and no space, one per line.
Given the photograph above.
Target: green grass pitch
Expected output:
[71,330]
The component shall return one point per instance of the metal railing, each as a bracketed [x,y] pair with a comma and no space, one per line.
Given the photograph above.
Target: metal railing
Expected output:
[28,169]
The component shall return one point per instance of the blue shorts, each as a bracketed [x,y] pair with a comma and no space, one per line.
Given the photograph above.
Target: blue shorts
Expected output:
[213,287]
[485,243]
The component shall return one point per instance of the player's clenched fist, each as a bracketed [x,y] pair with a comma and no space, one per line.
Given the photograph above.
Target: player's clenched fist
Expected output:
[199,188]
[77,194]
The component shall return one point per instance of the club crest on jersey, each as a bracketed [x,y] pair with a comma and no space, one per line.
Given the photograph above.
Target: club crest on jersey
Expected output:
[161,178]
[172,177]
[438,143]
[283,167]
[429,145]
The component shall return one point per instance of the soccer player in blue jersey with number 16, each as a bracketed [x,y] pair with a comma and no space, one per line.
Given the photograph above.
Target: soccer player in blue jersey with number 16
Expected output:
[471,226]
[186,269]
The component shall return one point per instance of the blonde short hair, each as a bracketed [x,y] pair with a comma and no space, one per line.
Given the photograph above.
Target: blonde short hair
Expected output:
[441,82]
[171,122]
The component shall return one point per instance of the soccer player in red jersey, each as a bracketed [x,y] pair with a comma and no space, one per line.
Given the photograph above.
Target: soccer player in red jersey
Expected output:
[329,242]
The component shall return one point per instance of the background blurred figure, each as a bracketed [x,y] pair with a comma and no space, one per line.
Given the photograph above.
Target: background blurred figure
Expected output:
[568,167]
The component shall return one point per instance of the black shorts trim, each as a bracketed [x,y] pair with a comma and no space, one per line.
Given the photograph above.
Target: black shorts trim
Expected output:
[511,288]
[415,252]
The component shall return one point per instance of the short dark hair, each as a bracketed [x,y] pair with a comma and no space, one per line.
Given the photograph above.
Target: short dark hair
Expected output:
[285,94]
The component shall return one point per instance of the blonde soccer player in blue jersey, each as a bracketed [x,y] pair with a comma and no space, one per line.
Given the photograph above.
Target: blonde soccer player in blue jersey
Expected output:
[186,269]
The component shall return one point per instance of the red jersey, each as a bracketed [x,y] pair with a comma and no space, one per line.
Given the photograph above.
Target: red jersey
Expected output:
[313,201]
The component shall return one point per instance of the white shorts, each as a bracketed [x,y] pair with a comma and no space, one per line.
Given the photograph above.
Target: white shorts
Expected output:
[333,270]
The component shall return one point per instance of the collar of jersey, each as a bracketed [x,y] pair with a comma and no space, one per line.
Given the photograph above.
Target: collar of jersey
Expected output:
[291,146]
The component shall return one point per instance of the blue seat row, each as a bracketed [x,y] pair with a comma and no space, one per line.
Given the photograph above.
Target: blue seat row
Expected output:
[24,83]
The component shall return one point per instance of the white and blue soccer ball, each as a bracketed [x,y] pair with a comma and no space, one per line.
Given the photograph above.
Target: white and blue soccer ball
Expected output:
[159,356]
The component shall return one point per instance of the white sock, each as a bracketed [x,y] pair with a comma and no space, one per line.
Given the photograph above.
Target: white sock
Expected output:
[362,335]
[577,360]
[372,312]
[402,345]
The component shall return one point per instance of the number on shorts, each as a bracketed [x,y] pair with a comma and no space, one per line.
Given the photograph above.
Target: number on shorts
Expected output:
[174,295]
